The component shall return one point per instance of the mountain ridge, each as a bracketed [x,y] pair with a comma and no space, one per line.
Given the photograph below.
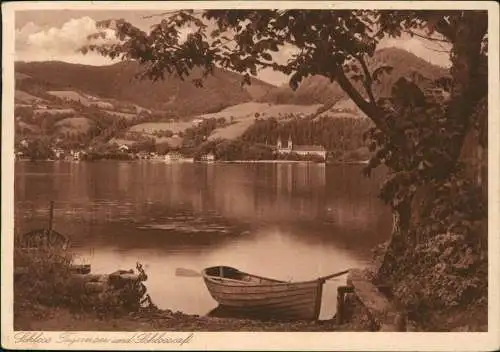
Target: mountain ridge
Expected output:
[118,81]
[319,89]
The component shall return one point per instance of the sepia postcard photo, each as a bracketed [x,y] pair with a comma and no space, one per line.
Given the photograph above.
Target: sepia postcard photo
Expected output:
[253,175]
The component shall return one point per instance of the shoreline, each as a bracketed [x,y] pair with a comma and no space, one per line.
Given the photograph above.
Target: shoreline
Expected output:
[361,162]
[64,319]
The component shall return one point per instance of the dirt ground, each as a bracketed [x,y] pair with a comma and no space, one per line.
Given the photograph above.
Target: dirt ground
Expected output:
[42,318]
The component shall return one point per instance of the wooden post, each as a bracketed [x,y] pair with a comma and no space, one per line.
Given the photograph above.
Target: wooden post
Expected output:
[341,291]
[51,215]
[340,305]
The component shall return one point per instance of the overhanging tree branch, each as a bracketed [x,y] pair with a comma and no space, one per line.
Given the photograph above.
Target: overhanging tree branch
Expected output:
[426,37]
[369,109]
[368,81]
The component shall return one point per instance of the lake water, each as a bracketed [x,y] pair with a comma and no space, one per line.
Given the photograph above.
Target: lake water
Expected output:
[287,221]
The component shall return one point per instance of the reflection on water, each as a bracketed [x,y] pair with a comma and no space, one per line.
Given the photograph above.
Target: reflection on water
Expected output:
[288,221]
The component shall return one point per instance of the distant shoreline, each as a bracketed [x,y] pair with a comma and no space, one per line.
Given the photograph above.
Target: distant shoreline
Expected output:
[292,162]
[266,162]
[361,162]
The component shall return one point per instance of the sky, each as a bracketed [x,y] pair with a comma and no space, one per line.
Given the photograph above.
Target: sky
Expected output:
[46,35]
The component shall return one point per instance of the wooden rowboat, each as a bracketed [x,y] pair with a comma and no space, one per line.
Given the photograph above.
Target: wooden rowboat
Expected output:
[262,296]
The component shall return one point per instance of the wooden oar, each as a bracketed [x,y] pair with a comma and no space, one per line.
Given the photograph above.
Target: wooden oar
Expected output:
[187,272]
[331,276]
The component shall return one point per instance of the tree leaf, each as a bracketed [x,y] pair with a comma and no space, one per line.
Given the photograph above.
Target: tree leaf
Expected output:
[379,71]
[266,56]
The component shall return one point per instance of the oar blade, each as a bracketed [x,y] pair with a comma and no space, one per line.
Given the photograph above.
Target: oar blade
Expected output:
[187,272]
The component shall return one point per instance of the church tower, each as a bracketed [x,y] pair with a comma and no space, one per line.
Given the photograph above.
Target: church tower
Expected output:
[290,144]
[278,143]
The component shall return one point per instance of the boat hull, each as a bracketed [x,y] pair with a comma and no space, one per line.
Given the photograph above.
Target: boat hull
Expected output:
[267,297]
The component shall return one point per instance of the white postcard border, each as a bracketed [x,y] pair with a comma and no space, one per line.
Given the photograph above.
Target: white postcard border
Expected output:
[249,340]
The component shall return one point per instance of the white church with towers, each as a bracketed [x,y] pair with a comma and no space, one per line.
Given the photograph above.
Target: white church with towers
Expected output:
[302,150]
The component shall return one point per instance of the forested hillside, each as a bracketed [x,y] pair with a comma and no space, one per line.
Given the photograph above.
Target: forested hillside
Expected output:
[119,82]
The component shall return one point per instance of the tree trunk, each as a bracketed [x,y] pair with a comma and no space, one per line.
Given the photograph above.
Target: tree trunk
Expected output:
[470,82]
[469,86]
[401,216]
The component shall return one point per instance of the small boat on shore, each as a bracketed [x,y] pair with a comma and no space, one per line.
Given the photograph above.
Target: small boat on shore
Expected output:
[263,296]
[45,237]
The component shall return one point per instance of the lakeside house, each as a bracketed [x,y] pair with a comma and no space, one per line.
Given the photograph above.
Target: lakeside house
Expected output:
[77,155]
[173,156]
[18,155]
[124,148]
[210,157]
[58,153]
[177,157]
[302,150]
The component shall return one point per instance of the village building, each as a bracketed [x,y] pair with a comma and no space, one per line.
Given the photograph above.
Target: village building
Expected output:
[77,155]
[173,156]
[123,148]
[208,157]
[303,150]
[177,157]
[58,153]
[18,155]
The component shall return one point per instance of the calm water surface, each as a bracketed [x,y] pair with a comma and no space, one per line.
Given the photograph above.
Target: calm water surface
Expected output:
[287,221]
